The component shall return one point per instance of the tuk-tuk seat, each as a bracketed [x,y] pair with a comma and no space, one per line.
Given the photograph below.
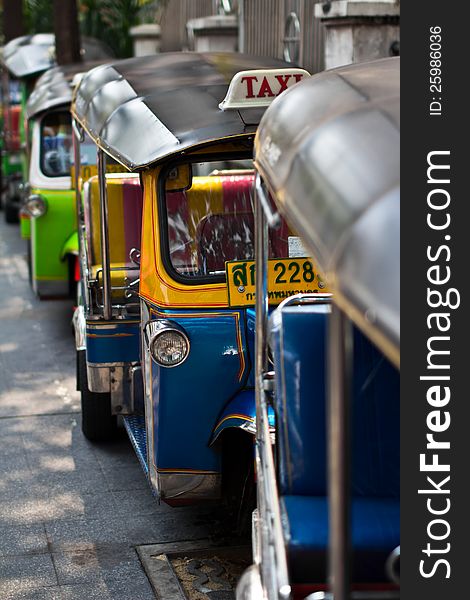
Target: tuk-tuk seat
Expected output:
[124,218]
[13,142]
[300,363]
[225,235]
[216,208]
[212,222]
[375,533]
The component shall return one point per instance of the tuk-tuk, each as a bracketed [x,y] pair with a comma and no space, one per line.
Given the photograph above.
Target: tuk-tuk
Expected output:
[158,341]
[50,205]
[328,518]
[24,59]
[10,144]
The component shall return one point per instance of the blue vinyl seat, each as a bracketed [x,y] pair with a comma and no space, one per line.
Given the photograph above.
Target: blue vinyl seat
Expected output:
[298,341]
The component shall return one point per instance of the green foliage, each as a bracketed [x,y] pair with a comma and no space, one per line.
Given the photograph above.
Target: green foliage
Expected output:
[38,15]
[107,20]
[110,20]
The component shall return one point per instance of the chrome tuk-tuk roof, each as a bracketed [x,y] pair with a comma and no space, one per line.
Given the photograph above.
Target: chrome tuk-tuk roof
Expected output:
[329,150]
[32,54]
[141,110]
[54,88]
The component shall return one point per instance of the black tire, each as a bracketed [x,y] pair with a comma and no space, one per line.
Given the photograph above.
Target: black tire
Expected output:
[238,480]
[98,424]
[11,211]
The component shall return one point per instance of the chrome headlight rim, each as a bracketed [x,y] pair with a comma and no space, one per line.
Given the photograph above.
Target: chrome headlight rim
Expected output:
[154,330]
[40,202]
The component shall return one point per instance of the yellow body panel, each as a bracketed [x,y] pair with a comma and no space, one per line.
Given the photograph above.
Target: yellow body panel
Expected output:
[156,285]
[117,242]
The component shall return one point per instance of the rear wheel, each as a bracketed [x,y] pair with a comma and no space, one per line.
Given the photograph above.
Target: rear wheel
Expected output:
[98,424]
[238,479]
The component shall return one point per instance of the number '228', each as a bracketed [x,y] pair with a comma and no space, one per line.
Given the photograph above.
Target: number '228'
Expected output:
[292,272]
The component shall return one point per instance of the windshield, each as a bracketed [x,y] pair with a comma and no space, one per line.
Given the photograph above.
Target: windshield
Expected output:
[57,155]
[209,219]
[56,144]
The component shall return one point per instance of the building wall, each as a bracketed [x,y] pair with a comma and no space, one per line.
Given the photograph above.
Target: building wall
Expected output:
[174,18]
[262,29]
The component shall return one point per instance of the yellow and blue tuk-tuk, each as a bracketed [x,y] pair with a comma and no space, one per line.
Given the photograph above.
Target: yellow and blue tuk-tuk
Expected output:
[165,323]
[159,342]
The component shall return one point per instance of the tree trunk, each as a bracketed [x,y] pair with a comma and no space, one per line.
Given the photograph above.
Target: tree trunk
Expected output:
[13,23]
[67,34]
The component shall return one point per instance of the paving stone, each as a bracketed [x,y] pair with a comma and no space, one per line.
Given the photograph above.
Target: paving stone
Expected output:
[138,503]
[107,563]
[47,593]
[128,478]
[56,505]
[22,539]
[24,573]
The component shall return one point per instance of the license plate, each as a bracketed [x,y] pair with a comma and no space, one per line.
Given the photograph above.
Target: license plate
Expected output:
[286,277]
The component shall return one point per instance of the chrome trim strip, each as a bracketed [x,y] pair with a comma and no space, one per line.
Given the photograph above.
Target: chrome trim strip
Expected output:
[148,401]
[190,486]
[273,559]
[109,364]
[340,350]
[359,595]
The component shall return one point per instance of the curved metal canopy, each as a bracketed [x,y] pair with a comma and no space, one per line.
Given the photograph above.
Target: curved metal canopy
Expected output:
[329,150]
[54,88]
[144,109]
[30,55]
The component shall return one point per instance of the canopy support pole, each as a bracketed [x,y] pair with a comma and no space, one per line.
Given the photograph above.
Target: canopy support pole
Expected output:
[339,501]
[107,308]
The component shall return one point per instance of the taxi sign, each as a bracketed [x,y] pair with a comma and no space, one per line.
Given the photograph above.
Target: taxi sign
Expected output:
[286,277]
[258,88]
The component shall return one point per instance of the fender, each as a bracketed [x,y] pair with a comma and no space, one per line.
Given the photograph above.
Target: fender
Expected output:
[70,246]
[240,412]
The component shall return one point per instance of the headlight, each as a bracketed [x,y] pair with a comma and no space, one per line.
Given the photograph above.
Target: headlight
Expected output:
[35,206]
[167,342]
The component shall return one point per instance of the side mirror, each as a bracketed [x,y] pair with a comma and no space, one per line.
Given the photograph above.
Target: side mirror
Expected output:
[180,178]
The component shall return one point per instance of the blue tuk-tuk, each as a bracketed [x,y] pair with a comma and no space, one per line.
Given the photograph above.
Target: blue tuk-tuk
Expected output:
[165,338]
[327,523]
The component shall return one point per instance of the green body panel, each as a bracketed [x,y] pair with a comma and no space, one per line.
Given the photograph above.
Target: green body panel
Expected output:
[51,234]
[25,227]
[11,163]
